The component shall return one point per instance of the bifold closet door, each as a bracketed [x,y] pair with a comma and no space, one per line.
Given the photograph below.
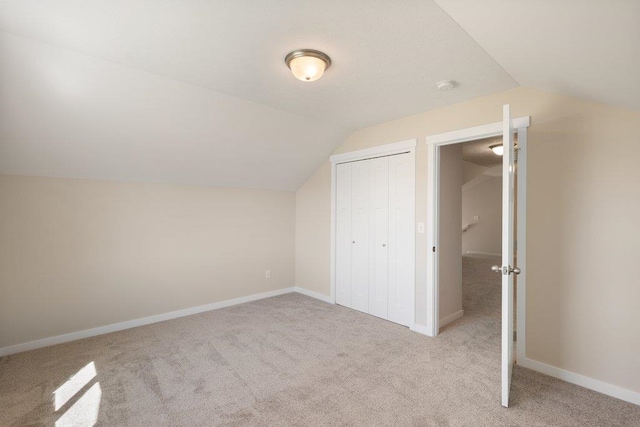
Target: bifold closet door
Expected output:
[360,233]
[401,239]
[379,235]
[343,234]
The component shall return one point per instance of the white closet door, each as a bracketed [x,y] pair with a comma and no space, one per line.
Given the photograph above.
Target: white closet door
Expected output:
[378,248]
[360,235]
[401,239]
[343,234]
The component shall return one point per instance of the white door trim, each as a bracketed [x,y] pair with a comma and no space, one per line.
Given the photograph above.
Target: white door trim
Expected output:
[379,151]
[408,146]
[433,142]
[477,132]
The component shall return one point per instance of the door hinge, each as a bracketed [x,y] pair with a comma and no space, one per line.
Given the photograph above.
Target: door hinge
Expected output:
[515,154]
[434,249]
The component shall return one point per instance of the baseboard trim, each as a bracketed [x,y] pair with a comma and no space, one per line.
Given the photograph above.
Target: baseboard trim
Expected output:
[451,318]
[313,294]
[120,326]
[581,380]
[489,254]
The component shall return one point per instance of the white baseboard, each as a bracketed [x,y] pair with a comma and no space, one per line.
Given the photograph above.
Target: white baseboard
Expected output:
[571,377]
[581,380]
[451,318]
[312,294]
[489,254]
[73,336]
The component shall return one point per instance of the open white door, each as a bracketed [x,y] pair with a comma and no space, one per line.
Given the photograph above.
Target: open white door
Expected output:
[508,268]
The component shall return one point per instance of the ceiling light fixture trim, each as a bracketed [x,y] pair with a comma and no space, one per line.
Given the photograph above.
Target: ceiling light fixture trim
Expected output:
[307,65]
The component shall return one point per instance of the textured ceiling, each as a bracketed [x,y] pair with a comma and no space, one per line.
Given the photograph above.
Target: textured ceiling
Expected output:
[196,92]
[584,48]
[478,152]
[387,55]
[70,115]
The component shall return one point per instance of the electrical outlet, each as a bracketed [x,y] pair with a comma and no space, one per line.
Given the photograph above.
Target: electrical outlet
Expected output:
[476,218]
[421,227]
[267,274]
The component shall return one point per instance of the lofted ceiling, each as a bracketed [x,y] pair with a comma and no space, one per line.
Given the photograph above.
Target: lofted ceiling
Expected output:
[196,92]
[584,48]
[387,55]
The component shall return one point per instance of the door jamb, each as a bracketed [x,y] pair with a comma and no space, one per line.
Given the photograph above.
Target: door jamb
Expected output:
[434,142]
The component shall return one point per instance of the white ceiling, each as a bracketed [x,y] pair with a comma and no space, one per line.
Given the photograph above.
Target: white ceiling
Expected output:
[584,48]
[479,153]
[196,92]
[387,55]
[96,89]
[70,115]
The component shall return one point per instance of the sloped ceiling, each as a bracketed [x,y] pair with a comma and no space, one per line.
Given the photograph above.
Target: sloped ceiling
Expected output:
[584,48]
[196,92]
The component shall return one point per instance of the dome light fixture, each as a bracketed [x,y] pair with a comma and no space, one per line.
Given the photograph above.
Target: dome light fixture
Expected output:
[307,65]
[497,149]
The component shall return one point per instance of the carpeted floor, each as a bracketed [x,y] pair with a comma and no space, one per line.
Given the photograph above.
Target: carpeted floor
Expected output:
[293,360]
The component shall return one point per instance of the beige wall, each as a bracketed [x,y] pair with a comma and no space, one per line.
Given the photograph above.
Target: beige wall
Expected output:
[471,170]
[583,196]
[313,232]
[485,201]
[450,239]
[77,254]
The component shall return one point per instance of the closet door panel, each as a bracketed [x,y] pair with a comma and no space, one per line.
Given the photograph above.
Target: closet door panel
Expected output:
[360,232]
[401,239]
[378,249]
[343,234]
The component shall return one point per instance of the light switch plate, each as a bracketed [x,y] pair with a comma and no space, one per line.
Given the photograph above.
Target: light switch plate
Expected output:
[421,227]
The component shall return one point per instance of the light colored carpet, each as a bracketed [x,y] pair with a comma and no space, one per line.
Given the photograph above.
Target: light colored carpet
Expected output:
[293,360]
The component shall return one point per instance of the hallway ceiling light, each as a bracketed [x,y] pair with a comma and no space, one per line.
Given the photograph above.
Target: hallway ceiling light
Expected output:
[497,149]
[307,65]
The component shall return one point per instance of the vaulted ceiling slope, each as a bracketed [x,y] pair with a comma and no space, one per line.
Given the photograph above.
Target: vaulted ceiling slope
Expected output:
[68,115]
[196,92]
[584,48]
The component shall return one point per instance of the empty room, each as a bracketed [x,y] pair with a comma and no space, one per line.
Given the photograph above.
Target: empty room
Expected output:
[279,213]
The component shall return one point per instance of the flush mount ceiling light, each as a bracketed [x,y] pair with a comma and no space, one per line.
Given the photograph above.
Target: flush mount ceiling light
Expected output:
[497,149]
[446,84]
[307,65]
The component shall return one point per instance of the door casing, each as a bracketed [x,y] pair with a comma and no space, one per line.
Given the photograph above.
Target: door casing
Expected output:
[434,142]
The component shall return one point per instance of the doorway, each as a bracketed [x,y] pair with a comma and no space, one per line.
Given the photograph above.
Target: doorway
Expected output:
[470,230]
[513,232]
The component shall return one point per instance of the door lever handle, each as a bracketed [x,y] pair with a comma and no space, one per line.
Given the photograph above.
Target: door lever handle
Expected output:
[505,270]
